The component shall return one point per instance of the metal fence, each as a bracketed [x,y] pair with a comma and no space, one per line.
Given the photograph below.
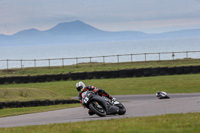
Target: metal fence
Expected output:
[22,63]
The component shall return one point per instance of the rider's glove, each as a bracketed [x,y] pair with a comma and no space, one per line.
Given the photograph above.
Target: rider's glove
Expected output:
[95,90]
[114,99]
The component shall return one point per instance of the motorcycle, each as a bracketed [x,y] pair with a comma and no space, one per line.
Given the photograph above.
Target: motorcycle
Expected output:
[162,95]
[101,105]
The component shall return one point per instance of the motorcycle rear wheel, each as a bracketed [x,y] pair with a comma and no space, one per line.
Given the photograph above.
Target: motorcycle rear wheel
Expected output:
[97,109]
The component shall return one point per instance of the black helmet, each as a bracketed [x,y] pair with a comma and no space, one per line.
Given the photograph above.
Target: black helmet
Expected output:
[79,86]
[158,92]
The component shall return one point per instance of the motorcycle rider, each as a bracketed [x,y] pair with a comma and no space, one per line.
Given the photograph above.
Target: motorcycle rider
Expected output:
[161,94]
[158,93]
[81,87]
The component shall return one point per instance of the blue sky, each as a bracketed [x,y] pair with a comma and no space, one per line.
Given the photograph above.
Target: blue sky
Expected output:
[150,16]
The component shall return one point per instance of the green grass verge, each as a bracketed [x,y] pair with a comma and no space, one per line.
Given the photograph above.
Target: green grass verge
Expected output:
[189,83]
[179,123]
[28,94]
[88,67]
[27,110]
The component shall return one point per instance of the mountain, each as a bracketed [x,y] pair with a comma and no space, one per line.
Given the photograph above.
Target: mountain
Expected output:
[180,34]
[75,28]
[80,32]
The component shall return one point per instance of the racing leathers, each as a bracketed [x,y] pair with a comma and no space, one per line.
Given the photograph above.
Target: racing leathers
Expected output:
[100,92]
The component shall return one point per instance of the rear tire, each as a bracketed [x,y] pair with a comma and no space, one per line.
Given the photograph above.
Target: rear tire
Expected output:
[97,109]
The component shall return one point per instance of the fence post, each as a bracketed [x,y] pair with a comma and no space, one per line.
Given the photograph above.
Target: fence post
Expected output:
[63,62]
[90,59]
[145,56]
[173,55]
[77,62]
[159,56]
[7,64]
[131,57]
[34,62]
[49,62]
[117,58]
[103,59]
[21,64]
[187,54]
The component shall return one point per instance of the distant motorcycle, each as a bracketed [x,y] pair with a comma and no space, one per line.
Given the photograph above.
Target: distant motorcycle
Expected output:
[101,105]
[162,95]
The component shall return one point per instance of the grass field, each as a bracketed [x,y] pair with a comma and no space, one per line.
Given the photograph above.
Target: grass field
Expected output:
[27,110]
[122,86]
[179,123]
[27,94]
[97,67]
[189,83]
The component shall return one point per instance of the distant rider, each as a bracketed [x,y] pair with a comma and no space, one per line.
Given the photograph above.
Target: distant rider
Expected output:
[81,87]
[162,94]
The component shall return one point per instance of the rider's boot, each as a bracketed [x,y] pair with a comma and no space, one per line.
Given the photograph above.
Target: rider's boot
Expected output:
[90,112]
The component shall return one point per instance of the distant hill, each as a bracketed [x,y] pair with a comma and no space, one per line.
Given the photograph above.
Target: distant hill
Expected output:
[80,32]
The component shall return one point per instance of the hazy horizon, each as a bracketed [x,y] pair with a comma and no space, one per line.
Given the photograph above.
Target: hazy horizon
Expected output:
[98,29]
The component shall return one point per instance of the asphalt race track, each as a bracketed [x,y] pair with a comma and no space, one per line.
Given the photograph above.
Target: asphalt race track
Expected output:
[136,105]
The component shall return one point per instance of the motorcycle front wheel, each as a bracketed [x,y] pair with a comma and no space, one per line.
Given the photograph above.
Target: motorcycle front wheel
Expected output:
[97,109]
[122,109]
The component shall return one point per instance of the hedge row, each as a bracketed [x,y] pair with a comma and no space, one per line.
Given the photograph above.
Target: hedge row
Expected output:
[35,103]
[103,74]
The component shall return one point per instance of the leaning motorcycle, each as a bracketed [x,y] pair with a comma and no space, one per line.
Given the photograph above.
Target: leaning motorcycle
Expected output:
[162,95]
[101,105]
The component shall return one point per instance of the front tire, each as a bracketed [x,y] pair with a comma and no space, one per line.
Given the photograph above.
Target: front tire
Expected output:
[97,109]
[122,109]
[167,97]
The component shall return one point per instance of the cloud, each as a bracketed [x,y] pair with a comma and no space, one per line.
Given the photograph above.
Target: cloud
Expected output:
[168,16]
[106,14]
